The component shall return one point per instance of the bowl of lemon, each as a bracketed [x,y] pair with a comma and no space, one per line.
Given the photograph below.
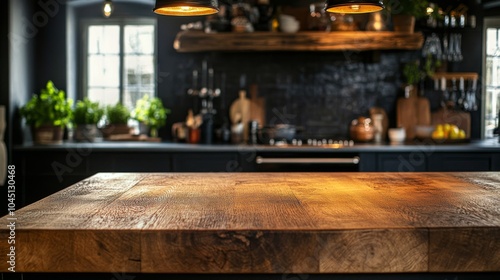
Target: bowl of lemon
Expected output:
[448,133]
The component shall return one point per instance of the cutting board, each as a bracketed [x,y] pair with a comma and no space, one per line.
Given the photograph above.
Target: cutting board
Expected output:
[257,106]
[239,112]
[406,115]
[423,111]
[458,118]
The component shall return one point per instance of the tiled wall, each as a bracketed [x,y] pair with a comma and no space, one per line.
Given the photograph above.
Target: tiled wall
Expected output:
[322,92]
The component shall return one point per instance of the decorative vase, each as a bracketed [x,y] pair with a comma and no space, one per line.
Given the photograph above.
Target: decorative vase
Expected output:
[47,134]
[403,23]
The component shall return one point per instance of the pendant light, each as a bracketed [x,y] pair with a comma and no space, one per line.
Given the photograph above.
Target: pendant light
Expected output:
[107,8]
[186,7]
[354,6]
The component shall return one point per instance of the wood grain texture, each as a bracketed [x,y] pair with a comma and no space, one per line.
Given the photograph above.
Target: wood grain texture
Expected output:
[195,41]
[264,223]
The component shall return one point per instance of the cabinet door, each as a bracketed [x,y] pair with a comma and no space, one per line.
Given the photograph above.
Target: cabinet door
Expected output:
[402,162]
[461,162]
[129,162]
[206,162]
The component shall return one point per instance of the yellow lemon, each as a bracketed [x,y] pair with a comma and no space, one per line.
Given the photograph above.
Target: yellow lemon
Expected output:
[461,134]
[454,132]
[437,134]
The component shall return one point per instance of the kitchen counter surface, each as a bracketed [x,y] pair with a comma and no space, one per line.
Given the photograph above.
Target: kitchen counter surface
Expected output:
[490,145]
[263,223]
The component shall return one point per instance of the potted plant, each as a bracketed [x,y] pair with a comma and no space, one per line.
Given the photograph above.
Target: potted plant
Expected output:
[86,116]
[151,113]
[405,13]
[413,75]
[117,117]
[48,113]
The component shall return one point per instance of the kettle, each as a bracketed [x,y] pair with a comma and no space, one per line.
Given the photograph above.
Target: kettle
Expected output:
[362,130]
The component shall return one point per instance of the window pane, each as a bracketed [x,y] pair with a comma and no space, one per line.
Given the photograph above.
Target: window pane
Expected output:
[139,70]
[104,39]
[139,39]
[105,96]
[107,50]
[492,92]
[104,71]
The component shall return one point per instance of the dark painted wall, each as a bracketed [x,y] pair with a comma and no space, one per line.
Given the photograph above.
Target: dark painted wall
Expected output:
[4,68]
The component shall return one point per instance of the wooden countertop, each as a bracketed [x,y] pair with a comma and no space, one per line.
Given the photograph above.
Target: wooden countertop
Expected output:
[263,223]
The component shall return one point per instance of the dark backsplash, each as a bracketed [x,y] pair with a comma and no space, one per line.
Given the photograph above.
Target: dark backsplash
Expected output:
[321,92]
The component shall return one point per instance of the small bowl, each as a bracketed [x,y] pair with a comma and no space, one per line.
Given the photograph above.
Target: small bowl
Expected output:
[291,27]
[424,131]
[397,135]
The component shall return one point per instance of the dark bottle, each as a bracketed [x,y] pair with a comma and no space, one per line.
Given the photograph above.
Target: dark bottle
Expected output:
[265,14]
[207,129]
[274,24]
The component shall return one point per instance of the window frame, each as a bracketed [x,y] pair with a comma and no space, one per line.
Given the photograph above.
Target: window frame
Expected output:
[121,22]
[489,22]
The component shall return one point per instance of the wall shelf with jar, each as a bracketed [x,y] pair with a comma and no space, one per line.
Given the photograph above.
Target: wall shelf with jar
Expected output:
[199,41]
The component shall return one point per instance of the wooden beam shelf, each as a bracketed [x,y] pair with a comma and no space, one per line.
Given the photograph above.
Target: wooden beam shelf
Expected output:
[198,41]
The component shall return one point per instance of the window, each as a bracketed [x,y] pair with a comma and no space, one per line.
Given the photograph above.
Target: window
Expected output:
[119,61]
[492,74]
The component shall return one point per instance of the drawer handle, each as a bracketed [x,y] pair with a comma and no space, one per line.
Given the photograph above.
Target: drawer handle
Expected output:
[262,160]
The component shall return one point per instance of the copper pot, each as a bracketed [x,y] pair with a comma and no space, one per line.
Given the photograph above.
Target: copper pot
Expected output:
[362,130]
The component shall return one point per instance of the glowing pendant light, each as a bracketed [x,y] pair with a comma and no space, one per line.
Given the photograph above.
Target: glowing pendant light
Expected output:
[107,8]
[186,7]
[354,6]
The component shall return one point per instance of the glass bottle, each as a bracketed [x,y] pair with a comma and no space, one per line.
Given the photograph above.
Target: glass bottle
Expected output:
[275,20]
[318,19]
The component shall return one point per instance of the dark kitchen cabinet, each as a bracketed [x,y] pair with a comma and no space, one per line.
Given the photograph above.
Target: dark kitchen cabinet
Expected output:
[464,162]
[419,161]
[205,162]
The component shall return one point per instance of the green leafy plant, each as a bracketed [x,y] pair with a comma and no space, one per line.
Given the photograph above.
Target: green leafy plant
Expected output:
[87,112]
[416,8]
[151,112]
[412,72]
[117,114]
[50,107]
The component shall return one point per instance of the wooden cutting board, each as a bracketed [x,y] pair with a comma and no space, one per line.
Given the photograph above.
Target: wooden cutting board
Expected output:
[406,115]
[239,112]
[423,111]
[458,118]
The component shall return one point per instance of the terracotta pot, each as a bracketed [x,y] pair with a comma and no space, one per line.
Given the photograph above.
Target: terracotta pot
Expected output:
[47,134]
[115,129]
[86,132]
[403,23]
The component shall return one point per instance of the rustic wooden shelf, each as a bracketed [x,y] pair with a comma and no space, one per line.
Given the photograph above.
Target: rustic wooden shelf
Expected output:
[456,75]
[198,41]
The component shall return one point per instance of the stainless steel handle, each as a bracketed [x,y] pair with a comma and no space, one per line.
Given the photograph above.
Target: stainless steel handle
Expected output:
[262,160]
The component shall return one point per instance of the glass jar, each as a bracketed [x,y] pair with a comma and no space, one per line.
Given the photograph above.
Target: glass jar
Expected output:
[318,19]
